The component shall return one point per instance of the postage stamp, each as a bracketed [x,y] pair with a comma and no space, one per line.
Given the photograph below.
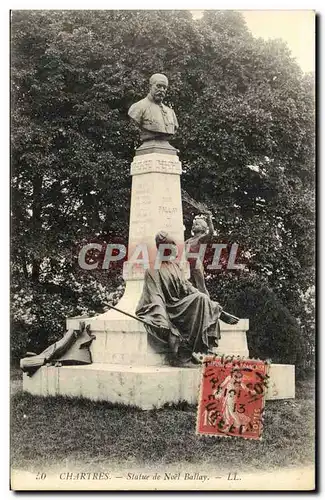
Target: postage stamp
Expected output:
[232,396]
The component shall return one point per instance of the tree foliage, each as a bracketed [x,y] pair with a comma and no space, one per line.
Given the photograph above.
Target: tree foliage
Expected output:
[246,141]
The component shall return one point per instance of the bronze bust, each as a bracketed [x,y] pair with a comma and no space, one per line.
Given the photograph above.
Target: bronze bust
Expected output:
[155,120]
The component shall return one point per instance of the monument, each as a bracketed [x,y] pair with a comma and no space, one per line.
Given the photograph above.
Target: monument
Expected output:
[128,365]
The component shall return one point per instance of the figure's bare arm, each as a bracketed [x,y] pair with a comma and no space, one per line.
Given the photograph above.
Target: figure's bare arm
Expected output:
[210,225]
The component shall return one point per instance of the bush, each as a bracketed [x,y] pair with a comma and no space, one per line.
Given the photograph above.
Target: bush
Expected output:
[273,332]
[38,314]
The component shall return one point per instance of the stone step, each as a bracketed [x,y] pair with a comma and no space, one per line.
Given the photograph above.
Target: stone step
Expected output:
[144,386]
[122,340]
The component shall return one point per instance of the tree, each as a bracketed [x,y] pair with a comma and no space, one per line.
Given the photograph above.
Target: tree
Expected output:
[246,141]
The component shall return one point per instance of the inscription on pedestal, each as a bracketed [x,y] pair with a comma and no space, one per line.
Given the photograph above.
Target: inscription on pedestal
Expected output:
[141,210]
[154,164]
[155,205]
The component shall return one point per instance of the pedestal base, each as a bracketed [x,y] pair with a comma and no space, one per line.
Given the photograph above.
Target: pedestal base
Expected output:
[146,387]
[130,368]
[123,340]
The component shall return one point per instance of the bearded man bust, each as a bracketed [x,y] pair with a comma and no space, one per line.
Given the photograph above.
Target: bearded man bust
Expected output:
[155,120]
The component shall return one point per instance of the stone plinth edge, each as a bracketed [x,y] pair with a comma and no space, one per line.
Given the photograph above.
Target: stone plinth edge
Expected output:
[156,146]
[122,324]
[156,162]
[242,325]
[144,386]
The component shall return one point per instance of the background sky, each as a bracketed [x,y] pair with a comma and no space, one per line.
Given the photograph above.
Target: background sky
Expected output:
[296,27]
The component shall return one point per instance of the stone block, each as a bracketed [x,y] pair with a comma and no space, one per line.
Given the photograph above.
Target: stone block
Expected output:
[143,386]
[122,341]
[282,382]
[233,339]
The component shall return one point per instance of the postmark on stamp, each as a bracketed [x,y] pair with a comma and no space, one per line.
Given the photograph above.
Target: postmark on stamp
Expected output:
[232,397]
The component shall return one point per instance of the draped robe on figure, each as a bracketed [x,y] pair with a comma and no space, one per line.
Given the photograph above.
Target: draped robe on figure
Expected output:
[174,308]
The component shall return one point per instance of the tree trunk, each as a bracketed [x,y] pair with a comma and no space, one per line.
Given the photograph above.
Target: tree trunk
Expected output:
[36,224]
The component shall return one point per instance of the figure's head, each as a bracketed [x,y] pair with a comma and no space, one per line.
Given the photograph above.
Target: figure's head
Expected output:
[158,87]
[236,375]
[199,226]
[163,238]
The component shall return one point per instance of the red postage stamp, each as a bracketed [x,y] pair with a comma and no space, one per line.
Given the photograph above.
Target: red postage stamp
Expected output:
[232,397]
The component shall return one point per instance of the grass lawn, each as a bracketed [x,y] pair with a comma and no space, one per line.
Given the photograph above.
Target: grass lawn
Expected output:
[56,432]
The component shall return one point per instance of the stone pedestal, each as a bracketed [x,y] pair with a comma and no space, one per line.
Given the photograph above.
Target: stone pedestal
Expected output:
[128,366]
[233,338]
[125,341]
[147,387]
[156,205]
